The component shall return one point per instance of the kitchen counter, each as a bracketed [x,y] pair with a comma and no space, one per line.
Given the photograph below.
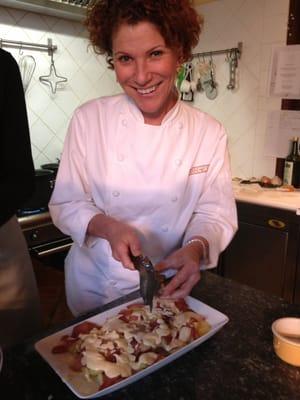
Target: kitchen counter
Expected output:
[236,363]
[253,193]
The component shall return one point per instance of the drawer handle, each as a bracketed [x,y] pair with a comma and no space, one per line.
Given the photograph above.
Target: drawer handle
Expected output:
[275,223]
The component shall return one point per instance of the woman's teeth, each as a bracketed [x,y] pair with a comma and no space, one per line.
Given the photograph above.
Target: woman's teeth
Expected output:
[146,91]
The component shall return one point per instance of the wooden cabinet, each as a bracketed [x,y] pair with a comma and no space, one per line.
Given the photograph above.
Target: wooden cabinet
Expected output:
[297,283]
[264,252]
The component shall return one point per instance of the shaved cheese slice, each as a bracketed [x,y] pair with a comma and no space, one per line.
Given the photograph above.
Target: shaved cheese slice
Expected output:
[97,362]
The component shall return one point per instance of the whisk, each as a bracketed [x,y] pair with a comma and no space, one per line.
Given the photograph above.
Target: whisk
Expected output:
[27,66]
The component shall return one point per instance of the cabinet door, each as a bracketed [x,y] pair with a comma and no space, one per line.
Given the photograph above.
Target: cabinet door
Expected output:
[256,257]
[297,281]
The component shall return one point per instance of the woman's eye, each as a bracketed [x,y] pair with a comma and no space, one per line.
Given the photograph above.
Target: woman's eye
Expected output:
[124,58]
[156,53]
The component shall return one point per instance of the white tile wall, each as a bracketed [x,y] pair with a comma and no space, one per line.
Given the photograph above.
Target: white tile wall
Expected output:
[259,24]
[88,77]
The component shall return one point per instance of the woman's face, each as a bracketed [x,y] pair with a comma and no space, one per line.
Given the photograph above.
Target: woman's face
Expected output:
[146,69]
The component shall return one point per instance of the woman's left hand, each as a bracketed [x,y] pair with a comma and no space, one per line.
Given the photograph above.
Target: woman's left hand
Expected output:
[187,263]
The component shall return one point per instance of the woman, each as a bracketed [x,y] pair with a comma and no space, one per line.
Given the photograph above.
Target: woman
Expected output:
[142,172]
[19,299]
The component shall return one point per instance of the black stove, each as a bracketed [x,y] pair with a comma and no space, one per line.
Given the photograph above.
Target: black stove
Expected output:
[24,212]
[44,239]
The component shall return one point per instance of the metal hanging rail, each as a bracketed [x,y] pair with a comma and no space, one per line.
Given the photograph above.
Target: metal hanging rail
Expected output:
[236,50]
[50,48]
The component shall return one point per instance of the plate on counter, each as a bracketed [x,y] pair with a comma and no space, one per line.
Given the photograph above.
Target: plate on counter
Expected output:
[60,365]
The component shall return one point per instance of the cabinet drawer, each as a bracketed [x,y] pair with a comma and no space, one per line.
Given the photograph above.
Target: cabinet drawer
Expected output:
[42,234]
[269,217]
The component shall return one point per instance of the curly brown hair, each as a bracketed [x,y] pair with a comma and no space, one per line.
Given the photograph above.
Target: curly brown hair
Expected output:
[177,21]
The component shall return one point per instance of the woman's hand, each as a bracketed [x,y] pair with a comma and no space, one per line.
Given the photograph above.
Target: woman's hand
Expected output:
[187,263]
[123,239]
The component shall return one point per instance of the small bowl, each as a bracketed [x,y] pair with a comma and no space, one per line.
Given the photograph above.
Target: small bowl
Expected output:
[286,339]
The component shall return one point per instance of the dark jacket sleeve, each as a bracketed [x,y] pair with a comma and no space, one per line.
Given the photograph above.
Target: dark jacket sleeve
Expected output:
[16,165]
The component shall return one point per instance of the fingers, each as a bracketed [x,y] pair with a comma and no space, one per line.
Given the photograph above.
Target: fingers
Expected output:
[135,249]
[123,252]
[182,283]
[167,263]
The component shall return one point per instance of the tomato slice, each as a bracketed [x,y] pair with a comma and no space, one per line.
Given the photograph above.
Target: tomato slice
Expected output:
[126,315]
[167,338]
[59,349]
[153,324]
[65,344]
[194,333]
[109,356]
[181,305]
[109,381]
[75,364]
[124,318]
[135,305]
[83,328]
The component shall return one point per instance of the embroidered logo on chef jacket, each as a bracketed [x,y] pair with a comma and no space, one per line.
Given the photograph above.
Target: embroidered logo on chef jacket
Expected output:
[199,169]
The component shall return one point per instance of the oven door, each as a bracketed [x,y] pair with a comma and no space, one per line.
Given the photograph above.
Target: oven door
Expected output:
[46,242]
[51,248]
[52,253]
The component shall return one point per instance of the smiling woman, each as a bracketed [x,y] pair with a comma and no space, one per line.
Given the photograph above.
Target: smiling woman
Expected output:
[146,69]
[142,172]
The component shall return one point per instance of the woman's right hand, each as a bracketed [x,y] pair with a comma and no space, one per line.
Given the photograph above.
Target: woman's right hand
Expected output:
[123,239]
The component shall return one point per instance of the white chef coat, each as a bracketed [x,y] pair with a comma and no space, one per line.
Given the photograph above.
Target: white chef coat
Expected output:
[171,182]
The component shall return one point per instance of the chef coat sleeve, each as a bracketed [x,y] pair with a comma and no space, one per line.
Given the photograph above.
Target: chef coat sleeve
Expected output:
[71,205]
[215,215]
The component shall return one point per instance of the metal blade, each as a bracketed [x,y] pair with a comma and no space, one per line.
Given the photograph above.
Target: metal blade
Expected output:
[149,282]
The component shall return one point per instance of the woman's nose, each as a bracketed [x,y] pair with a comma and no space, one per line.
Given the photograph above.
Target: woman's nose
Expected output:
[142,73]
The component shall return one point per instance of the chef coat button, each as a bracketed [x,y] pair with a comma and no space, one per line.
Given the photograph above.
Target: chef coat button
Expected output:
[180,125]
[120,157]
[124,122]
[174,199]
[164,228]
[116,193]
[178,162]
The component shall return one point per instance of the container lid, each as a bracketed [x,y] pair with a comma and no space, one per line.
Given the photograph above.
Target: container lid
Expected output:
[287,329]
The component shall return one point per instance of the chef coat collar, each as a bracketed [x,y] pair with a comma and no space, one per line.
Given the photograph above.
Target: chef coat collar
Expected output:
[137,114]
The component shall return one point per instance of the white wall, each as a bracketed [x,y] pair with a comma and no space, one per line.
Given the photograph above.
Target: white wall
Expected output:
[88,77]
[259,24]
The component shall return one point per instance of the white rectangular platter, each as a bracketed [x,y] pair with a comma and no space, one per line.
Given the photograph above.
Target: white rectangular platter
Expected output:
[59,363]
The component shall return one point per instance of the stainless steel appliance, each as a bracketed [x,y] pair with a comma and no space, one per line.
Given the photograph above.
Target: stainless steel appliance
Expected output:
[44,240]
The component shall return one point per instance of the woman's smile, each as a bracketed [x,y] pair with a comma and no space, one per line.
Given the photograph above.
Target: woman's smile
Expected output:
[147,91]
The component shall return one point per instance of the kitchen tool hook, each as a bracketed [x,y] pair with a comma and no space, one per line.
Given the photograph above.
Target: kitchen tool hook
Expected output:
[233,62]
[52,79]
[27,66]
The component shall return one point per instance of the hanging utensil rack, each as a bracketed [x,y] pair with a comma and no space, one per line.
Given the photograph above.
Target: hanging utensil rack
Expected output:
[232,57]
[50,47]
[237,50]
